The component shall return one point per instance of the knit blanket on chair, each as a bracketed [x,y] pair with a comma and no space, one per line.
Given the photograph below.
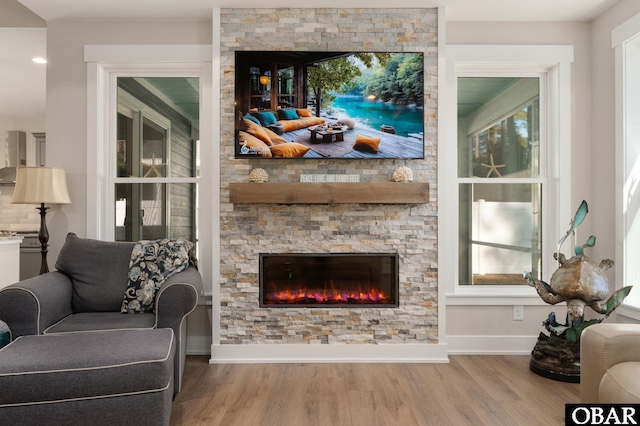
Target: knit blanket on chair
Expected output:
[151,264]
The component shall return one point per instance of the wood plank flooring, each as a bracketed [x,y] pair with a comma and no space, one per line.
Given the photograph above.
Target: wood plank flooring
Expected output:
[470,390]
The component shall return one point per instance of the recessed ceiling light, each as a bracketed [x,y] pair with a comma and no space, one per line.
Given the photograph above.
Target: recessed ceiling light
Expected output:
[39,60]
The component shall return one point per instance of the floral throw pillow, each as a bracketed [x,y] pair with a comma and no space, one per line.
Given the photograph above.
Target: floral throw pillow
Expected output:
[151,264]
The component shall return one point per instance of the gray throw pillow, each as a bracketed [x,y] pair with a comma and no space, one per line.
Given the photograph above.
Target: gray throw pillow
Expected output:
[98,272]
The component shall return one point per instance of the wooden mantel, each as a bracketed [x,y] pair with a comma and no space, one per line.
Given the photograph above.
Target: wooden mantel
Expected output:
[329,193]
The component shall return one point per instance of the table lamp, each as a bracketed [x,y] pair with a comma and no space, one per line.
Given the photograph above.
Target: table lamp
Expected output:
[41,185]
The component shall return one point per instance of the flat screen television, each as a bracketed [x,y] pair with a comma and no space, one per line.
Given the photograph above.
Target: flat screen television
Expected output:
[331,105]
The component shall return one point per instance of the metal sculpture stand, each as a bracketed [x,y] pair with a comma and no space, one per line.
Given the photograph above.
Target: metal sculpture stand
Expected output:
[556,358]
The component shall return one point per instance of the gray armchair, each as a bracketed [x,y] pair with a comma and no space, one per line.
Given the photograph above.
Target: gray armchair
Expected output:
[86,294]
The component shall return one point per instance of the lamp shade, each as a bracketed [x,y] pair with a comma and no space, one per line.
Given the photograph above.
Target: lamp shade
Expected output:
[36,185]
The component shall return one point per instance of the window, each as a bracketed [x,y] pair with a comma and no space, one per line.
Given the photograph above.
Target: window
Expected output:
[626,41]
[499,179]
[260,88]
[502,202]
[154,143]
[132,134]
[286,88]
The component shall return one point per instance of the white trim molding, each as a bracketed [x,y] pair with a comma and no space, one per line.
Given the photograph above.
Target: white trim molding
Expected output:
[491,345]
[552,63]
[104,64]
[625,40]
[316,353]
[135,53]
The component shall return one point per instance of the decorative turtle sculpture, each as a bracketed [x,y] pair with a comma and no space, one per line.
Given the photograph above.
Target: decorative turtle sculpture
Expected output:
[580,282]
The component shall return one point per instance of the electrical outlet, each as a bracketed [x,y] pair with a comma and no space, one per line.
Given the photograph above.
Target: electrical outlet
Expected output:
[518,313]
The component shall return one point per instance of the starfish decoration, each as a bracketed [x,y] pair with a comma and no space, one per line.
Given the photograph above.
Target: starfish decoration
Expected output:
[492,166]
[153,167]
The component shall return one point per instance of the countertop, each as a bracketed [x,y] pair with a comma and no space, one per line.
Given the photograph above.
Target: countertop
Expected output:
[17,239]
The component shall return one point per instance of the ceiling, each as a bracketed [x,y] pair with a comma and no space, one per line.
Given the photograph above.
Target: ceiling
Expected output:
[23,82]
[180,92]
[473,92]
[457,10]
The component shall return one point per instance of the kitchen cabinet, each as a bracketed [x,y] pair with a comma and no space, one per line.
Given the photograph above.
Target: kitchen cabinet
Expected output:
[41,148]
[9,260]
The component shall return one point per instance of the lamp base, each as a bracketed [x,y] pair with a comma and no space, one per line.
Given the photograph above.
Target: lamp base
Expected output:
[43,236]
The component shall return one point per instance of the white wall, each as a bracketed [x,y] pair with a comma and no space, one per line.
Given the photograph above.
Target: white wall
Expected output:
[15,14]
[490,329]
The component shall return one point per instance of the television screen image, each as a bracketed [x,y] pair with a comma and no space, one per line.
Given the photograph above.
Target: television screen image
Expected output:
[355,105]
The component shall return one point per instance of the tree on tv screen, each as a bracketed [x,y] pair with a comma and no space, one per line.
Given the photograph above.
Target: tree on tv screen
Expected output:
[390,77]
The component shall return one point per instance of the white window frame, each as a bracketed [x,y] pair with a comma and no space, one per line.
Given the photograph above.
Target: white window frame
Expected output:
[104,64]
[552,63]
[132,107]
[623,38]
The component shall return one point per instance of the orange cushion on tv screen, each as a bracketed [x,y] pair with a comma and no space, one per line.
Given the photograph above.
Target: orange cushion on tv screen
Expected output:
[257,131]
[253,145]
[275,138]
[290,150]
[366,144]
[304,112]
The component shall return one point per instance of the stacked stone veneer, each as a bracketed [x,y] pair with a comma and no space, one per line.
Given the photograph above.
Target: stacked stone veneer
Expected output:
[250,229]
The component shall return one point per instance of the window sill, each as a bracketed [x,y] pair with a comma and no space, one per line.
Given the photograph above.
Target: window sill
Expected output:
[629,311]
[494,295]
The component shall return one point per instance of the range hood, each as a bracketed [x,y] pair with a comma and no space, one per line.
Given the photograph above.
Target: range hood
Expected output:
[15,155]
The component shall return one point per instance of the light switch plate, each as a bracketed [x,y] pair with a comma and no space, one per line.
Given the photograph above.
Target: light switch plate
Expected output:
[518,313]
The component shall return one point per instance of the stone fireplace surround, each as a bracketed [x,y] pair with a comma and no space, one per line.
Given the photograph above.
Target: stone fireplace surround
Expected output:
[249,333]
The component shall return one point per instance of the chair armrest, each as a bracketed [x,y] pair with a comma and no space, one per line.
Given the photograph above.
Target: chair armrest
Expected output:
[30,306]
[178,297]
[601,347]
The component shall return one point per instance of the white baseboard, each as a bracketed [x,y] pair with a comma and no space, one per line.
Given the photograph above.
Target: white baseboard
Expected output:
[416,353]
[491,345]
[276,353]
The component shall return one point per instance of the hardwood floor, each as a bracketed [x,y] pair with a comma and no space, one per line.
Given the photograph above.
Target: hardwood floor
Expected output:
[470,390]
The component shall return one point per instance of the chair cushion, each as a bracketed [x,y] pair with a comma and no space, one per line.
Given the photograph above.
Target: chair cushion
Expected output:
[59,367]
[90,321]
[98,272]
[620,385]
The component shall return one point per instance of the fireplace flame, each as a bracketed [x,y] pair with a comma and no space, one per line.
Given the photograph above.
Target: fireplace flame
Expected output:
[299,296]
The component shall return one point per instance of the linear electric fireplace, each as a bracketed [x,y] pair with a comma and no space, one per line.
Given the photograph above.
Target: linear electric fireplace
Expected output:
[329,280]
